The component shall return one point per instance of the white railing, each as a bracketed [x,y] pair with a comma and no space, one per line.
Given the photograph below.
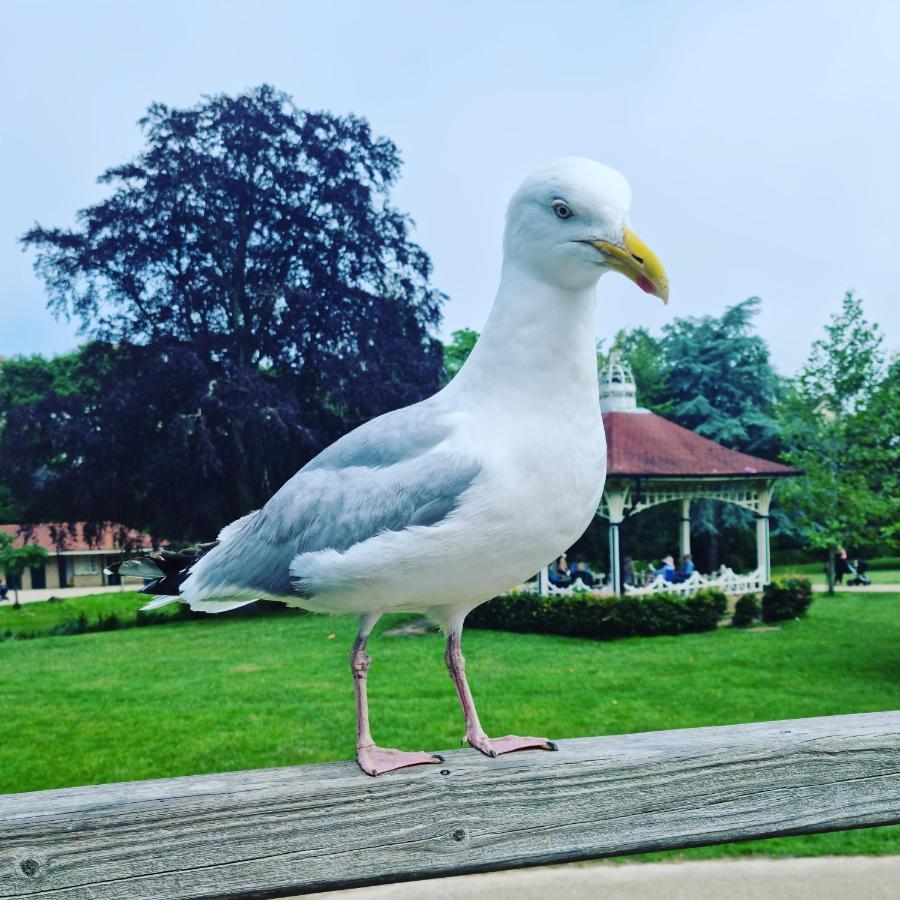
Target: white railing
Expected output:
[723,579]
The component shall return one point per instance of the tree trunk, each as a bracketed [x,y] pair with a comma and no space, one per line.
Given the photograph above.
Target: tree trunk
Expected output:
[829,571]
[16,604]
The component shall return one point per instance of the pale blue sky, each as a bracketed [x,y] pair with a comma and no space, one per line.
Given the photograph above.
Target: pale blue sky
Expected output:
[761,140]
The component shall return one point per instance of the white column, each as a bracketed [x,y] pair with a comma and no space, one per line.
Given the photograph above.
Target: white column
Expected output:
[615,502]
[763,562]
[684,529]
[543,580]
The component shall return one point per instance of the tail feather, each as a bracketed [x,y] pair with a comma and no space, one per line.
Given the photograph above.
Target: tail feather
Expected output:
[167,569]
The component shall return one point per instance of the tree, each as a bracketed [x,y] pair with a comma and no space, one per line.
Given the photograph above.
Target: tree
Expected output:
[840,424]
[458,350]
[249,293]
[15,560]
[722,385]
[721,380]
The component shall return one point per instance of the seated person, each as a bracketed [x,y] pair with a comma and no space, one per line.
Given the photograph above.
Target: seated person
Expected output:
[558,572]
[667,569]
[685,570]
[582,571]
[629,575]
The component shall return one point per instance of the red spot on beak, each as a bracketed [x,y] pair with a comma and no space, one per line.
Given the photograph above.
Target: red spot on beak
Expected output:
[645,284]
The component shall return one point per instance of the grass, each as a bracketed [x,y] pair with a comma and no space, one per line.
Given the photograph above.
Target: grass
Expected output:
[215,695]
[33,618]
[884,570]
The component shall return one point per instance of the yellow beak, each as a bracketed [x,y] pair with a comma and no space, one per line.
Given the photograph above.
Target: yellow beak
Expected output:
[635,260]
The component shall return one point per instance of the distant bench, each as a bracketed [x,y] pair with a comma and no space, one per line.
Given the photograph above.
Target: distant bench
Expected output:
[276,832]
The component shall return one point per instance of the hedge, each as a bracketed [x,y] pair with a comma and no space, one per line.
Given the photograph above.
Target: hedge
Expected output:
[601,617]
[786,598]
[746,611]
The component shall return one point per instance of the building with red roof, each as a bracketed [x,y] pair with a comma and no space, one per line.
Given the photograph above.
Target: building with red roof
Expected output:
[78,553]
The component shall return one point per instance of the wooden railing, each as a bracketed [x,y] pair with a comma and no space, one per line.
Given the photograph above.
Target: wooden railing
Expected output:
[276,832]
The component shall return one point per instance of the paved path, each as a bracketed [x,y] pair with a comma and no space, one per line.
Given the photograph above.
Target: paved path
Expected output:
[820,878]
[867,589]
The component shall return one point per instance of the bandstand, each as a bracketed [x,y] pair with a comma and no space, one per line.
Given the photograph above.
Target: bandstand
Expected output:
[651,461]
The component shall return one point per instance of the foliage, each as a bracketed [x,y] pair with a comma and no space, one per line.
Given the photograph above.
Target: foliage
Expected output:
[15,560]
[10,508]
[840,423]
[250,294]
[746,611]
[722,383]
[787,598]
[458,350]
[601,617]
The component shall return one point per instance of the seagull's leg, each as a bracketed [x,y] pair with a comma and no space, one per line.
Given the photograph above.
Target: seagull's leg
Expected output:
[374,760]
[475,736]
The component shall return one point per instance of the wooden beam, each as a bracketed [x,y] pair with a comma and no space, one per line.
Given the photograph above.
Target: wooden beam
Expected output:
[274,832]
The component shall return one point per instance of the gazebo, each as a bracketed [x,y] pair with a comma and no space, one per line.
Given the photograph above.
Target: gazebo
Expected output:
[651,461]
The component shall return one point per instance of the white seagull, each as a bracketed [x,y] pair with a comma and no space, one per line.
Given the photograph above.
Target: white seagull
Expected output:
[440,506]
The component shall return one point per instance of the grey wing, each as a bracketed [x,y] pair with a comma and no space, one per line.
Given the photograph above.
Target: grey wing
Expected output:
[392,473]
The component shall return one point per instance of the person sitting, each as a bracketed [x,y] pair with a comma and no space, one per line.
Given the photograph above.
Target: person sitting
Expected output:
[4,589]
[581,571]
[685,570]
[667,569]
[558,572]
[629,574]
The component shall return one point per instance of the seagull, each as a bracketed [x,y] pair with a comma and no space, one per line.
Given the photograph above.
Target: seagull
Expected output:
[437,507]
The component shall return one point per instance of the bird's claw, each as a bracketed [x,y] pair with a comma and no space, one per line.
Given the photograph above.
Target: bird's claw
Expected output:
[495,747]
[378,760]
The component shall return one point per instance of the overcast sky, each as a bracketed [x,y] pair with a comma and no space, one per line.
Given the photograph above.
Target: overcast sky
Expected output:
[761,140]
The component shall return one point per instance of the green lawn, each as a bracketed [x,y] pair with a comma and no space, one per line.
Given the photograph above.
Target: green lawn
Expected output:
[38,617]
[217,694]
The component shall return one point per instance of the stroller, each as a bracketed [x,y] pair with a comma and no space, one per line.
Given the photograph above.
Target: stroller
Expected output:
[857,570]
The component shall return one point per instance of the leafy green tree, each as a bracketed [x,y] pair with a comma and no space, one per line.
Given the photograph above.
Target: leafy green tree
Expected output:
[840,424]
[249,293]
[723,386]
[721,380]
[15,560]
[458,350]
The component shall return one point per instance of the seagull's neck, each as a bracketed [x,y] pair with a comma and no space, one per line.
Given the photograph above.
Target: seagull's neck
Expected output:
[538,345]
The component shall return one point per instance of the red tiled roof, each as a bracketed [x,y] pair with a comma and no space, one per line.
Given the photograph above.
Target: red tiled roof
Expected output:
[56,537]
[645,444]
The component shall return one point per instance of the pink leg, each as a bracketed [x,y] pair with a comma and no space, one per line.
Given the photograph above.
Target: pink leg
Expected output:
[374,760]
[475,736]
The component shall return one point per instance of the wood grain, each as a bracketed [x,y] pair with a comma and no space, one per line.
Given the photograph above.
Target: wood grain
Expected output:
[275,832]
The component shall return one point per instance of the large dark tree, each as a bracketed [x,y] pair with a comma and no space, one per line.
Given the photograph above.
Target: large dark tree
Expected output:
[251,294]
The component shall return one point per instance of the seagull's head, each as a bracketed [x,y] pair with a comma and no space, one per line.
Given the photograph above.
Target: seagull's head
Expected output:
[568,224]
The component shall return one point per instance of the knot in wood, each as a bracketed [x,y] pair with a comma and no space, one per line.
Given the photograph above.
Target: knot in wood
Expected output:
[30,866]
[458,834]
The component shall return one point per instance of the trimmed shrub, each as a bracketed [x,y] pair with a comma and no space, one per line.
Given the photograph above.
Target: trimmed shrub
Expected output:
[787,598]
[601,618]
[746,611]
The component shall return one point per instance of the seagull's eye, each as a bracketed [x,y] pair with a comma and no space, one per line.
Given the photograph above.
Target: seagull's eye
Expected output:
[562,210]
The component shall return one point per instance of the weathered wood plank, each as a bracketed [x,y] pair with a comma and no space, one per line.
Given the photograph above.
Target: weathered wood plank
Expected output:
[280,831]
